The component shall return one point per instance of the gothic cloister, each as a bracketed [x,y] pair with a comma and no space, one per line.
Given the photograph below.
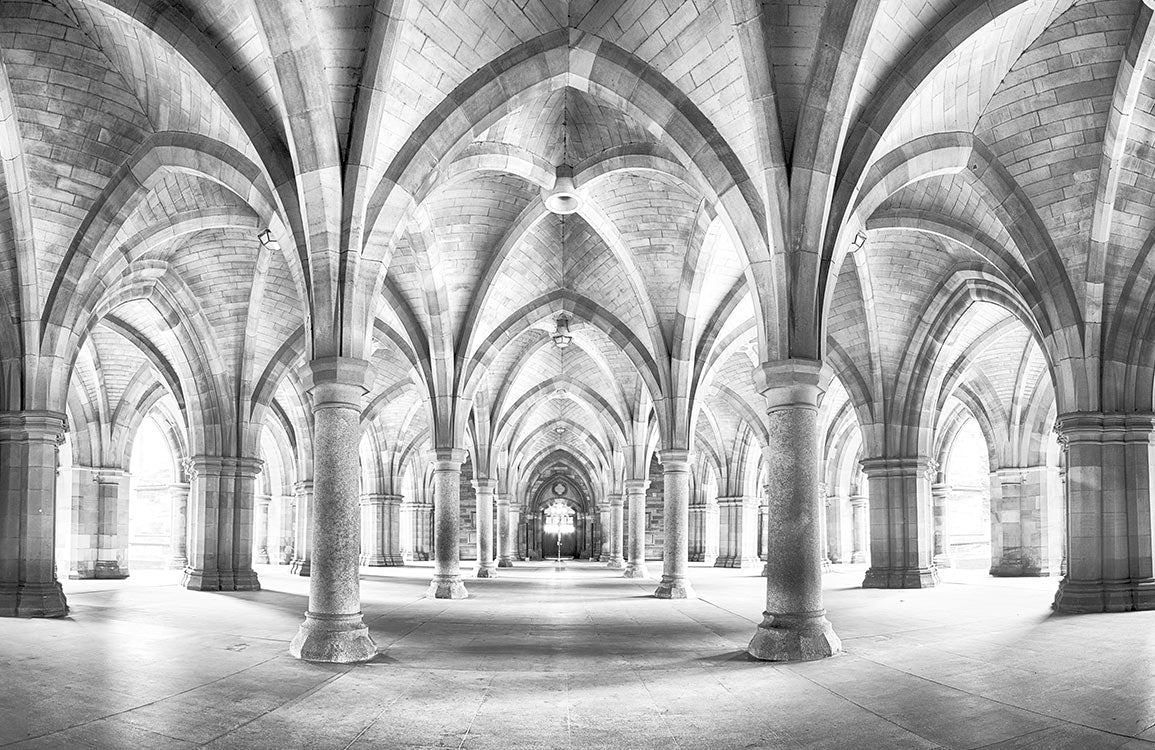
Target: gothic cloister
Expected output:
[831,322]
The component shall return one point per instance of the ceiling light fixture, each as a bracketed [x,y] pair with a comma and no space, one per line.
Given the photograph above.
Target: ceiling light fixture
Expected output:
[267,240]
[563,198]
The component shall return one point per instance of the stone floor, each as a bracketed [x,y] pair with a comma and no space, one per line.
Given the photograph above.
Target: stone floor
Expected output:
[576,659]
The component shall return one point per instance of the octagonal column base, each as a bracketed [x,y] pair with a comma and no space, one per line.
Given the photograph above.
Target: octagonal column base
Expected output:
[33,600]
[636,570]
[805,637]
[336,639]
[487,571]
[675,587]
[901,578]
[447,587]
[616,563]
[505,562]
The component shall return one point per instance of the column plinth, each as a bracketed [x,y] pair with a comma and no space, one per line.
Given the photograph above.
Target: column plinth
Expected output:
[636,496]
[794,627]
[447,583]
[333,630]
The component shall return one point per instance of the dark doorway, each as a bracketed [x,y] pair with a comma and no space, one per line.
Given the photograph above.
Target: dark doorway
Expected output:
[549,546]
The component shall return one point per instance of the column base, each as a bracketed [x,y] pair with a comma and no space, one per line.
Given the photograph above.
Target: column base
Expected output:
[109,570]
[737,562]
[898,578]
[394,561]
[447,587]
[32,600]
[789,637]
[336,639]
[487,571]
[636,570]
[195,579]
[245,580]
[505,562]
[858,558]
[615,563]
[943,561]
[177,562]
[299,567]
[372,561]
[672,587]
[1085,597]
[262,557]
[826,565]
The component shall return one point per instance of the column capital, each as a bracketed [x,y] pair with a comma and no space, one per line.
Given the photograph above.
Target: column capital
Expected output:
[245,467]
[304,487]
[372,498]
[263,500]
[485,485]
[1101,427]
[615,499]
[636,485]
[33,426]
[893,467]
[674,459]
[736,500]
[857,501]
[337,382]
[789,383]
[447,459]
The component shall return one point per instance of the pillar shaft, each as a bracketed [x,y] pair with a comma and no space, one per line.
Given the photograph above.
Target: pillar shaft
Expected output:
[261,533]
[636,497]
[675,583]
[737,532]
[221,510]
[860,528]
[286,534]
[333,630]
[303,492]
[447,583]
[1024,523]
[940,499]
[795,625]
[374,528]
[505,540]
[486,564]
[1109,562]
[834,547]
[29,441]
[613,541]
[901,524]
[178,526]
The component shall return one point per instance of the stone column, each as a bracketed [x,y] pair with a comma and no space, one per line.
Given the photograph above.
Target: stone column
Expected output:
[636,496]
[447,583]
[1109,565]
[393,556]
[514,525]
[373,524]
[505,540]
[112,530]
[333,630]
[859,528]
[422,512]
[84,532]
[940,496]
[604,525]
[486,565]
[697,531]
[1022,524]
[286,537]
[737,532]
[613,541]
[901,523]
[178,526]
[834,529]
[240,491]
[303,491]
[29,441]
[675,558]
[795,625]
[203,572]
[262,531]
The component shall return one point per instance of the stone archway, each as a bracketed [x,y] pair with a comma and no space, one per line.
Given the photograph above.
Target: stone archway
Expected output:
[576,545]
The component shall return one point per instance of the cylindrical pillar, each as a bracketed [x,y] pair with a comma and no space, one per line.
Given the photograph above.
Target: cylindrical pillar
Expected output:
[795,625]
[178,526]
[262,530]
[372,531]
[29,441]
[859,528]
[486,565]
[392,533]
[447,583]
[303,492]
[676,554]
[505,540]
[636,496]
[615,534]
[333,630]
